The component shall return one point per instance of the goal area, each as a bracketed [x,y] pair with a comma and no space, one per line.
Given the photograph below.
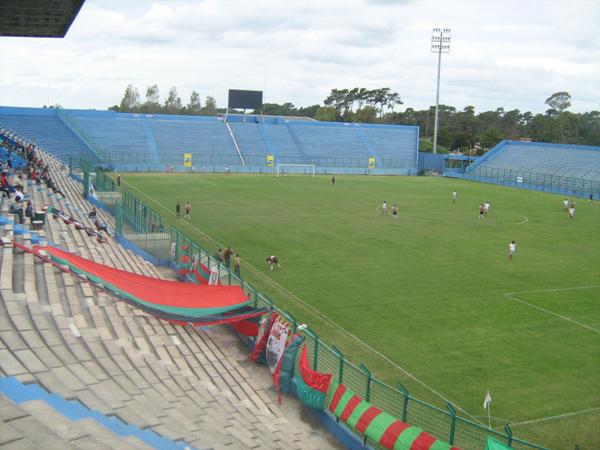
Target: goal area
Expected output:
[295,169]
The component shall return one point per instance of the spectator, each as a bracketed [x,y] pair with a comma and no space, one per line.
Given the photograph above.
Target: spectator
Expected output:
[227,256]
[218,256]
[101,226]
[119,180]
[93,214]
[18,211]
[236,265]
[5,184]
[29,211]
[19,196]
[53,187]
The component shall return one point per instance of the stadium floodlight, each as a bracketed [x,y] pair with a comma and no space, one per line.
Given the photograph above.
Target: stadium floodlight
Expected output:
[440,43]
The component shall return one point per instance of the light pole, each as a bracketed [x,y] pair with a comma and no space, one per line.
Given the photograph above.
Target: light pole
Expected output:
[440,43]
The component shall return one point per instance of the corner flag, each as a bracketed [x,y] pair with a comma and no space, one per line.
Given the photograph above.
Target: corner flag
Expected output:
[487,401]
[486,405]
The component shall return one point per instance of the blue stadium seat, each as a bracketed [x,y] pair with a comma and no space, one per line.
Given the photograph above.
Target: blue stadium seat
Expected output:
[565,168]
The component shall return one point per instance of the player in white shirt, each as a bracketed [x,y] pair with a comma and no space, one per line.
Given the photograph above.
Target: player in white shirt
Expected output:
[572,211]
[384,208]
[512,248]
[454,196]
[566,205]
[486,207]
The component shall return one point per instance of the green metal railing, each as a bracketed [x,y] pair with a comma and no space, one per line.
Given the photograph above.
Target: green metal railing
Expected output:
[443,423]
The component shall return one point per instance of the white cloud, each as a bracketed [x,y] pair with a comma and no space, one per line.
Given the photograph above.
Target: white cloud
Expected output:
[511,53]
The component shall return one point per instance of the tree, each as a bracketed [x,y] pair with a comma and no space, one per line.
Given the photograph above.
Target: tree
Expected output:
[326,114]
[152,103]
[194,107]
[210,106]
[368,114]
[559,101]
[173,102]
[131,100]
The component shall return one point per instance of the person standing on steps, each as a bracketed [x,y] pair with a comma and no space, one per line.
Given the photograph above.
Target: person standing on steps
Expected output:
[227,256]
[236,265]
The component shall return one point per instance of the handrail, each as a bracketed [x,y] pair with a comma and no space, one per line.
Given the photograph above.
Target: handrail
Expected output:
[235,143]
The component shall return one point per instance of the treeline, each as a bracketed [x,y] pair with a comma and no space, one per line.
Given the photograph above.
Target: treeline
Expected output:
[132,103]
[462,130]
[458,129]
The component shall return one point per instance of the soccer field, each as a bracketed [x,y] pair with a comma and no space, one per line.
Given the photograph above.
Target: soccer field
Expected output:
[430,300]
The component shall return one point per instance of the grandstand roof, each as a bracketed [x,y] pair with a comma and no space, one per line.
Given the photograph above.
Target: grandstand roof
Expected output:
[38,18]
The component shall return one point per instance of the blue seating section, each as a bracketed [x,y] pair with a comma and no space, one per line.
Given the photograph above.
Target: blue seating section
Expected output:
[112,134]
[330,144]
[47,130]
[158,142]
[203,138]
[563,168]
[74,410]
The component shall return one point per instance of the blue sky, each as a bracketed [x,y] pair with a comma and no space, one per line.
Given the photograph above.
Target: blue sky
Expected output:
[506,53]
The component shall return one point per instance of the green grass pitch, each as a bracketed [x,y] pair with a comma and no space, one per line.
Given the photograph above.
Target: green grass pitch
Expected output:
[432,294]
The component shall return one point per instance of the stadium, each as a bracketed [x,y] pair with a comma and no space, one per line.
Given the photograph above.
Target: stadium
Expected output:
[245,279]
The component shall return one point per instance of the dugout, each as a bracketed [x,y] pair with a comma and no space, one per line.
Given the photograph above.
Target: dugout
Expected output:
[457,164]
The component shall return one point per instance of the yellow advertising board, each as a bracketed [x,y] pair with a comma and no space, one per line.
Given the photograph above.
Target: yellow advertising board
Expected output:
[187,160]
[270,160]
[371,163]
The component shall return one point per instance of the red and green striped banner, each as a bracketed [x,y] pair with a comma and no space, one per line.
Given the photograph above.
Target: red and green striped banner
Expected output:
[380,426]
[311,386]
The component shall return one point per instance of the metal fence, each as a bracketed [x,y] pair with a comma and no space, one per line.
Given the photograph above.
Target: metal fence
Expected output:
[443,423]
[208,162]
[543,181]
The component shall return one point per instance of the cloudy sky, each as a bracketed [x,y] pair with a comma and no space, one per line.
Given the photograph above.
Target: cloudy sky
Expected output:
[506,53]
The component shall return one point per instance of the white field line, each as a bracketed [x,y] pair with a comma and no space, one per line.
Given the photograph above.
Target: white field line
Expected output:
[208,181]
[560,416]
[575,288]
[516,299]
[316,311]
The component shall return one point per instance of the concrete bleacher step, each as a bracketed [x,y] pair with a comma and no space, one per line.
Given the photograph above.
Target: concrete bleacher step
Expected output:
[71,421]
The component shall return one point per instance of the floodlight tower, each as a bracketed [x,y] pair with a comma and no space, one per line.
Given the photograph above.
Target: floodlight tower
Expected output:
[440,43]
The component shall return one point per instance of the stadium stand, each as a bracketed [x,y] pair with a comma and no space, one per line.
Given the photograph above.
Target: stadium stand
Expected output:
[46,128]
[79,369]
[158,142]
[570,169]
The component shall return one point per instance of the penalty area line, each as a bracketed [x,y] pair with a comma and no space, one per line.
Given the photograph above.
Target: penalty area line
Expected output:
[560,316]
[560,416]
[316,311]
